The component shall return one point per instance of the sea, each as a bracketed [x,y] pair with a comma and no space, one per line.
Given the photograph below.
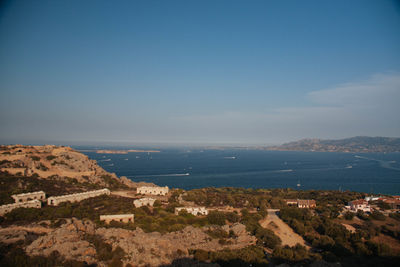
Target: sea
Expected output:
[374,173]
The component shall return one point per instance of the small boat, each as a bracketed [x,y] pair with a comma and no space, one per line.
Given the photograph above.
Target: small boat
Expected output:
[298,183]
[229,157]
[349,167]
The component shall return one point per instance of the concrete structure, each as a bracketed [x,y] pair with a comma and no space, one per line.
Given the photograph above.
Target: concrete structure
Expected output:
[27,204]
[371,198]
[40,195]
[302,203]
[147,201]
[192,210]
[153,190]
[54,201]
[359,204]
[123,218]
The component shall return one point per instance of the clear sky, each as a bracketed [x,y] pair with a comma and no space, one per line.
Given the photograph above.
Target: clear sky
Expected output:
[246,72]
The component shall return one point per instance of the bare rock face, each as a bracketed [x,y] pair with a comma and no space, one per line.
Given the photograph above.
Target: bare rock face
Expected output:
[132,184]
[142,249]
[68,240]
[156,249]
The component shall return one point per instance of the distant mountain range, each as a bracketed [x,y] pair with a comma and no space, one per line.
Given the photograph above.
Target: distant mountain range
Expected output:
[356,144]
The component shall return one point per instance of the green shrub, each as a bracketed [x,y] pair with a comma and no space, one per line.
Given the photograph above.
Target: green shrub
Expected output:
[216,217]
[349,215]
[50,157]
[376,215]
[290,254]
[267,238]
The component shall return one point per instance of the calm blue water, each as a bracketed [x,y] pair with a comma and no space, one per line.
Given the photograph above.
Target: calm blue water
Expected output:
[371,173]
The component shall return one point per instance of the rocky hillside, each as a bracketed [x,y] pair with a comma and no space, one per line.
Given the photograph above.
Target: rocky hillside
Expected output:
[82,241]
[54,162]
[358,144]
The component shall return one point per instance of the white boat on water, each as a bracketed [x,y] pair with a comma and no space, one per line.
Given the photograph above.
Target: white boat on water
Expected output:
[229,157]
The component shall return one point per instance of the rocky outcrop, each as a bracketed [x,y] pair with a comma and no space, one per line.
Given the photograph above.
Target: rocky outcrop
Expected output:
[142,249]
[68,240]
[54,162]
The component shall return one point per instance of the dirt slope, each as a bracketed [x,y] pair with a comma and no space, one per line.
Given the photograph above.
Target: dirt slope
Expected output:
[281,229]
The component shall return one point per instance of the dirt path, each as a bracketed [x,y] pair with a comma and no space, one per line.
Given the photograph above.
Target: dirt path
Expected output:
[281,229]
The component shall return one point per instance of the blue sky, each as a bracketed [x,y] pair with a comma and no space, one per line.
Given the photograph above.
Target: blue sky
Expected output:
[245,72]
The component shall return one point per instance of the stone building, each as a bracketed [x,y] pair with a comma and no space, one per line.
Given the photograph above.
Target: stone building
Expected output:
[192,210]
[301,203]
[54,201]
[40,195]
[123,218]
[152,190]
[27,204]
[147,201]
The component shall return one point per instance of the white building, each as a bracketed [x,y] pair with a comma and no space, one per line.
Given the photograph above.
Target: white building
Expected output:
[371,198]
[147,201]
[54,201]
[153,190]
[27,204]
[359,204]
[192,210]
[24,197]
[123,218]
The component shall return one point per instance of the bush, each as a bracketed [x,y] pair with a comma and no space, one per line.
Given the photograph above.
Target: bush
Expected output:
[217,233]
[250,255]
[349,215]
[267,238]
[376,215]
[51,157]
[290,255]
[395,216]
[232,217]
[216,217]
[362,216]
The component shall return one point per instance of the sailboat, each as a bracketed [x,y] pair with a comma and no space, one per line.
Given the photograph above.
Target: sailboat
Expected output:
[298,183]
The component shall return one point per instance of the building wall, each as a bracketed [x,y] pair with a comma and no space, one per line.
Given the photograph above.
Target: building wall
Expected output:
[29,204]
[144,202]
[152,190]
[40,195]
[54,201]
[192,210]
[124,218]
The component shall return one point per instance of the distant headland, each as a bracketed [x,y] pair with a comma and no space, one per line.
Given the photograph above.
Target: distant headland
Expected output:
[358,144]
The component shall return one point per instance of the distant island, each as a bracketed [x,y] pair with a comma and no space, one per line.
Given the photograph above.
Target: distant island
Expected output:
[358,144]
[105,151]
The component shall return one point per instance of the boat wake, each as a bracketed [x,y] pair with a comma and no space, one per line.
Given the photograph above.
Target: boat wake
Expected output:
[289,170]
[382,163]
